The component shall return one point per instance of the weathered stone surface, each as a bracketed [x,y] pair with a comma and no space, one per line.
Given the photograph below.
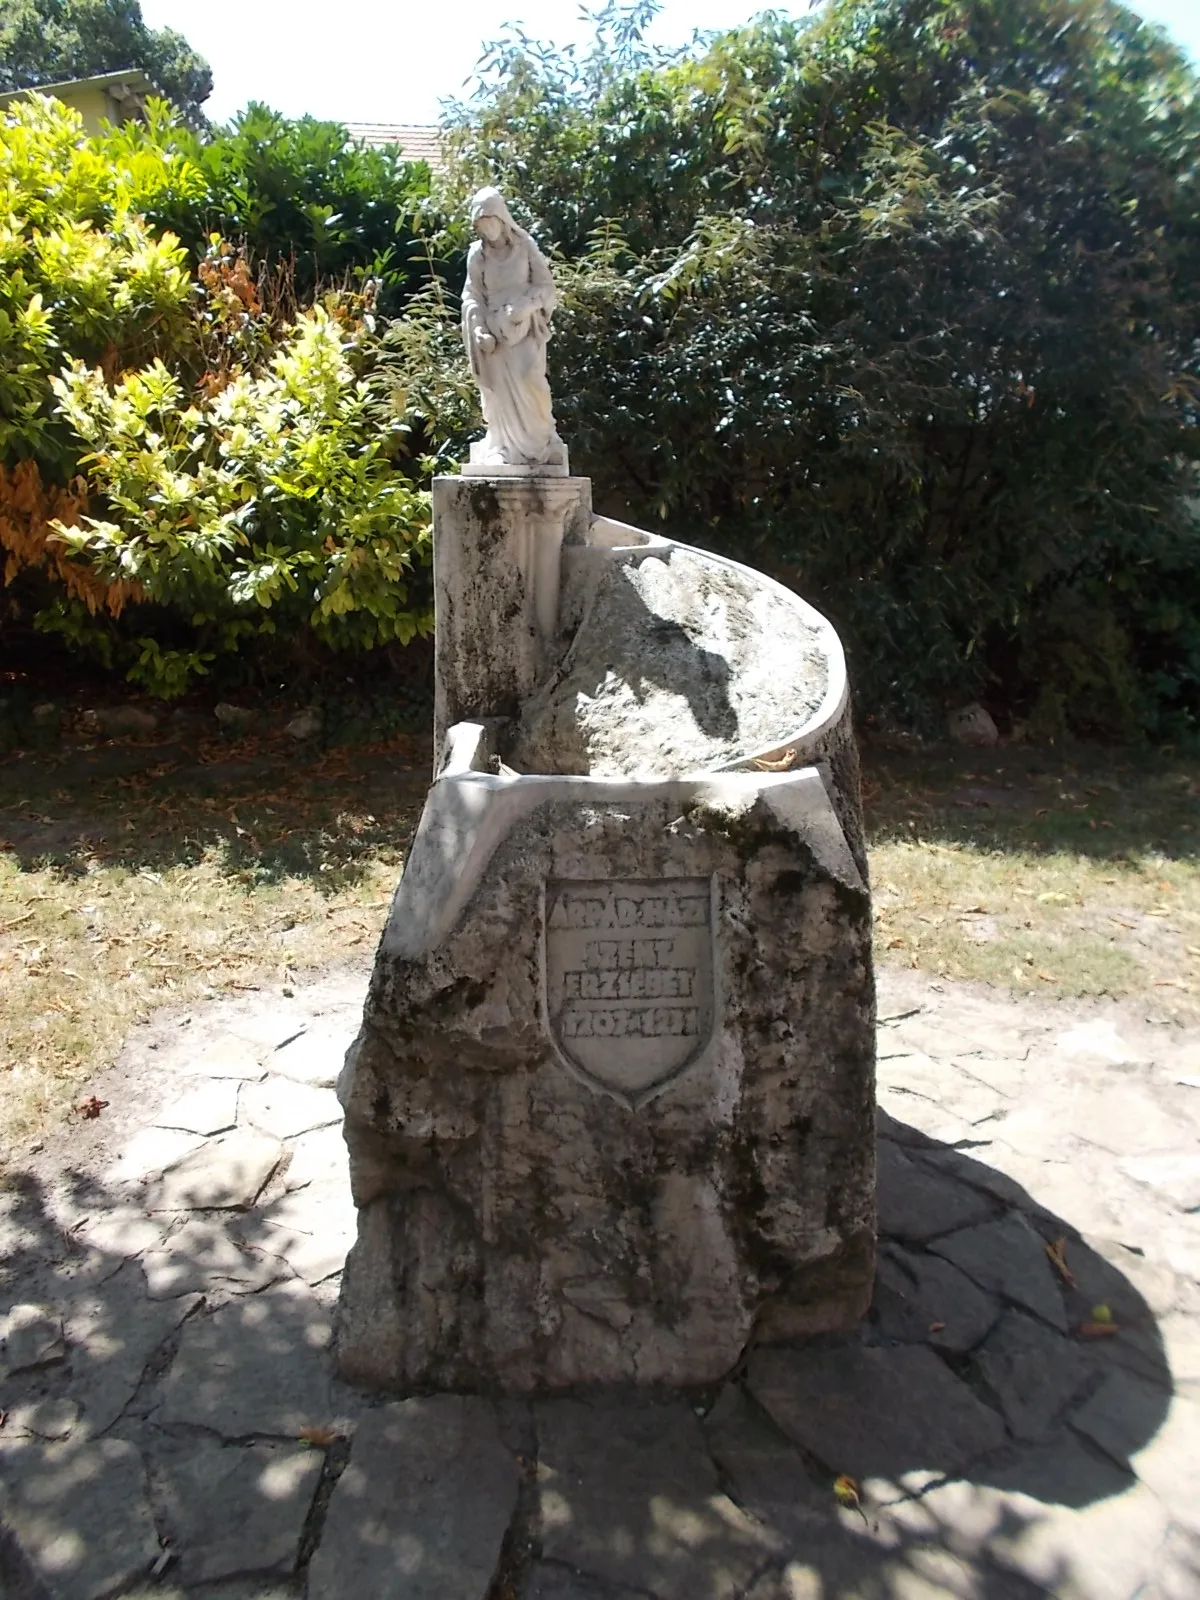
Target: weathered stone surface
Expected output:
[43,1419]
[874,1413]
[114,1331]
[237,1509]
[256,1366]
[284,1109]
[80,1515]
[921,1299]
[917,1203]
[314,1057]
[126,1231]
[1009,1258]
[628,1494]
[766,1474]
[30,1336]
[422,1509]
[550,1581]
[1125,1417]
[1176,1569]
[1177,1177]
[208,1250]
[228,1173]
[313,1228]
[616,1245]
[209,1107]
[1033,1372]
[924,1077]
[318,1157]
[1056,1515]
[151,1151]
[612,990]
[232,1057]
[667,672]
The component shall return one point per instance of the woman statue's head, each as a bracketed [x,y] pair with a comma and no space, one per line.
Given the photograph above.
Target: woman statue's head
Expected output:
[490,216]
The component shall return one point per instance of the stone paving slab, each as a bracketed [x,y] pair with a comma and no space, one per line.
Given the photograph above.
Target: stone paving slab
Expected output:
[423,1507]
[234,1510]
[178,1430]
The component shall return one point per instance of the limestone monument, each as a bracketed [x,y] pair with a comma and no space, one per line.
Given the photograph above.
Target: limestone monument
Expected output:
[611,1109]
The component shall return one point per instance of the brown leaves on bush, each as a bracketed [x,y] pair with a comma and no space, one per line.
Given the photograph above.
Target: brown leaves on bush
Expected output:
[28,508]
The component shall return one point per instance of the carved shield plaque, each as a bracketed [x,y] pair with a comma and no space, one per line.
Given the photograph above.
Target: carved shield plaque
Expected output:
[629,979]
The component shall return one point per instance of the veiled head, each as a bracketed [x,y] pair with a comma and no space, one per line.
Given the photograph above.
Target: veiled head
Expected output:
[490,216]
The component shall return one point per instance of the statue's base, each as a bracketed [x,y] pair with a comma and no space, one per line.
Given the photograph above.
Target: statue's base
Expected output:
[487,469]
[478,467]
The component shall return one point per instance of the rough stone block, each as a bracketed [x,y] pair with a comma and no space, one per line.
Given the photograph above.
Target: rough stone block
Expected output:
[610,1112]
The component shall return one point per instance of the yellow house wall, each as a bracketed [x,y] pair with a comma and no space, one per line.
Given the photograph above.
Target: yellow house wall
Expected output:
[93,106]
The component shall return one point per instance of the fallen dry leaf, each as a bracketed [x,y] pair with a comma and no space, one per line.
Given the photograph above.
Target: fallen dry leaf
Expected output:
[320,1438]
[1058,1260]
[848,1492]
[91,1108]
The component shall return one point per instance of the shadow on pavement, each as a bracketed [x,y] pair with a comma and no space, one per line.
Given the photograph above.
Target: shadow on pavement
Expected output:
[173,1411]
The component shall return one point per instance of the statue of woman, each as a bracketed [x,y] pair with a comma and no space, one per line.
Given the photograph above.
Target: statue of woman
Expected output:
[506,308]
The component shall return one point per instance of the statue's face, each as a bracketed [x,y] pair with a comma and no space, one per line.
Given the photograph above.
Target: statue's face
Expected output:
[489,228]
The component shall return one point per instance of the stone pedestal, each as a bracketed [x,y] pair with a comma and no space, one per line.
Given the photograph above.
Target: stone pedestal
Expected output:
[497,555]
[611,1110]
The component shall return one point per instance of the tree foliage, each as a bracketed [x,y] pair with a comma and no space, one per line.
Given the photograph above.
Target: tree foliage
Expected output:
[50,41]
[904,301]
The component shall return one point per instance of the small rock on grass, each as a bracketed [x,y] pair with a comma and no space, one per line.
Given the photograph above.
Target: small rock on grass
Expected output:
[305,724]
[234,719]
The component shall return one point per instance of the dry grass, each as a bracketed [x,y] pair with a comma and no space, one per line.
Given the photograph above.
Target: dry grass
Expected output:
[1048,875]
[135,876]
[120,894]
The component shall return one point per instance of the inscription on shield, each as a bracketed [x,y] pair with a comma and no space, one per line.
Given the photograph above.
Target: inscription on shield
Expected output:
[629,983]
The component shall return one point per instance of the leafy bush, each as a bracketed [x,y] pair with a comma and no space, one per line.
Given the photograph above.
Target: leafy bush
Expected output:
[901,301]
[300,192]
[197,461]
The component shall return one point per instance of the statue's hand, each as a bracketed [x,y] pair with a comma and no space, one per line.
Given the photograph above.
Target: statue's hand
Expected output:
[485,340]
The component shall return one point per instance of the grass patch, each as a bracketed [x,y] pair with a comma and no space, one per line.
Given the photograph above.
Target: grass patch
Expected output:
[138,876]
[1074,874]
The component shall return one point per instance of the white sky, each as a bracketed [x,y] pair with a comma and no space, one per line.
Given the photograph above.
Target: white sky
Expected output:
[395,60]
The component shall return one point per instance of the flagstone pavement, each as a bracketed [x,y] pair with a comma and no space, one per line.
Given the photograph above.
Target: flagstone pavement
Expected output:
[1019,1415]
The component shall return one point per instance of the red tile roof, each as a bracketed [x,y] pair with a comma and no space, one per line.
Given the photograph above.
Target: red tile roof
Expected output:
[418,142]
